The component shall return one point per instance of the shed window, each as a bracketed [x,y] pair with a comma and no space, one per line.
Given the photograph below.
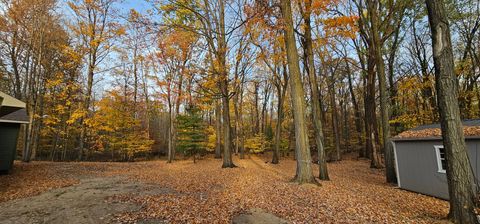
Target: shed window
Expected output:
[441,161]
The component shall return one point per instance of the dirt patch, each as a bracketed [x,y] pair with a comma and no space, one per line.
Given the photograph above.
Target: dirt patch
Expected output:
[83,203]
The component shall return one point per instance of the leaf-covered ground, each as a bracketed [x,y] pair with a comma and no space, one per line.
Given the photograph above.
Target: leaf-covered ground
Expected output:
[205,193]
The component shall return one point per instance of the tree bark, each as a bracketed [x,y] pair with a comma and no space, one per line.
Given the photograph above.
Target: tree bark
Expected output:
[304,168]
[370,114]
[459,171]
[384,102]
[333,105]
[281,92]
[312,77]
[241,131]
[218,130]
[256,128]
[222,54]
[278,127]
[171,129]
[356,108]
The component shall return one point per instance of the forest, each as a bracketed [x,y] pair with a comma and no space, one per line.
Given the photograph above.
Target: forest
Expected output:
[307,86]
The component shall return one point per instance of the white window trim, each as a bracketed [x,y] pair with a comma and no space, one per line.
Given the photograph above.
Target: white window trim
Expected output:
[439,160]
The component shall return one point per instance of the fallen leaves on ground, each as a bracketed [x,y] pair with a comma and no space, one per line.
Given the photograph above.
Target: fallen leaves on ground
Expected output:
[437,132]
[31,179]
[205,193]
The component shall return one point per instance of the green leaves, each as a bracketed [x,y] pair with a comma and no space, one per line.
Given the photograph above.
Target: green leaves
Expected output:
[191,135]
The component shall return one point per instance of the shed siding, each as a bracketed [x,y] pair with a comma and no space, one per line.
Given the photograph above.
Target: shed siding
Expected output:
[8,145]
[418,170]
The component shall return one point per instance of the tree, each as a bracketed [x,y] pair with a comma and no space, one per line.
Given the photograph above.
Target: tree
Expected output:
[314,92]
[265,34]
[459,172]
[95,29]
[396,16]
[190,132]
[173,56]
[377,25]
[116,128]
[34,47]
[304,168]
[213,28]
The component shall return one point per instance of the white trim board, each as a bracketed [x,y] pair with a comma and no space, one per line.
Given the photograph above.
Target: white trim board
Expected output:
[9,101]
[396,163]
[14,122]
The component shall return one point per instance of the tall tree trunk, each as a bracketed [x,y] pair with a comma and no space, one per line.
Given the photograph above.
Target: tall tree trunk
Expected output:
[370,114]
[333,105]
[171,130]
[222,54]
[237,123]
[135,81]
[281,91]
[366,108]
[173,119]
[304,161]
[356,108]
[281,87]
[218,130]
[266,97]
[384,104]
[227,142]
[39,124]
[86,106]
[363,60]
[312,77]
[278,127]
[459,171]
[391,74]
[27,146]
[256,117]
[241,130]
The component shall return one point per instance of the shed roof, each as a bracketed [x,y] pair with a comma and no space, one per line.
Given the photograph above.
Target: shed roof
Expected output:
[18,117]
[12,110]
[9,104]
[471,130]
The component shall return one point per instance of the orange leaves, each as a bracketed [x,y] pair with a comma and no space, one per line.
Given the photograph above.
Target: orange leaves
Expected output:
[320,6]
[96,25]
[437,132]
[344,26]
[184,192]
[34,178]
[177,43]
[115,125]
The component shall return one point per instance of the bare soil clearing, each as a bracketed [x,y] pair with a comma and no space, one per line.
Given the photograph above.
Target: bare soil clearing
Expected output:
[82,203]
[183,192]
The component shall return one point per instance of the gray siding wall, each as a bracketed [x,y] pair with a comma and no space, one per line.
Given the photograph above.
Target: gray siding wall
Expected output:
[418,169]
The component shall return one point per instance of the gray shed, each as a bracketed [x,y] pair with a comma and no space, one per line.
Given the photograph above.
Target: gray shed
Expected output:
[420,158]
[12,115]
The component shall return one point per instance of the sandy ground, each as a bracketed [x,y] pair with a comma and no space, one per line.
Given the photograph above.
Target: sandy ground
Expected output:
[82,203]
